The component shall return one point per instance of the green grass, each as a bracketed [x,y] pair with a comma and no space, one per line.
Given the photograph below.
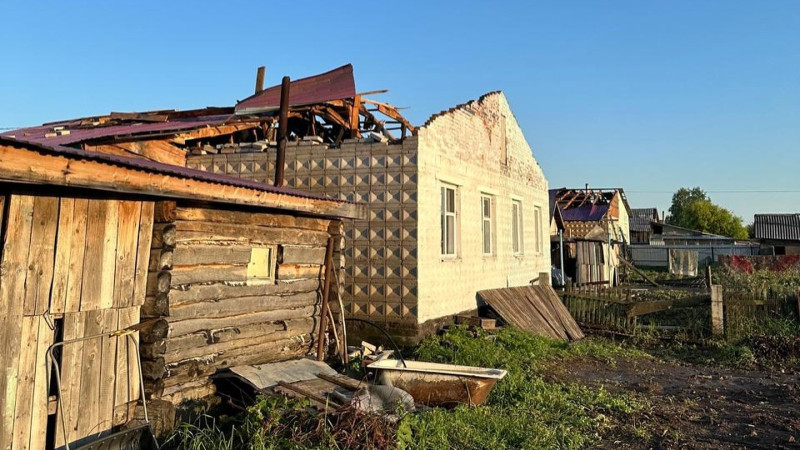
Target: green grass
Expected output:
[525,409]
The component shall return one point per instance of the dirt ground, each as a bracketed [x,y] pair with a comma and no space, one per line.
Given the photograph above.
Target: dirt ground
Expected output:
[696,407]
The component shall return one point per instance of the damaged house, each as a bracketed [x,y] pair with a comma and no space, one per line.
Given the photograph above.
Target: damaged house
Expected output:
[593,226]
[455,206]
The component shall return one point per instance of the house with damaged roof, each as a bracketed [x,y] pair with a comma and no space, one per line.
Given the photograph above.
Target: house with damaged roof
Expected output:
[589,227]
[453,206]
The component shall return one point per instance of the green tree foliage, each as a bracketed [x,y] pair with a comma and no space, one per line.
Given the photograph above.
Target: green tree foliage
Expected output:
[680,201]
[691,208]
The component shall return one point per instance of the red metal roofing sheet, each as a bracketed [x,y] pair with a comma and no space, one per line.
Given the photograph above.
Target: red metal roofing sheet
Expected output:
[334,85]
[37,134]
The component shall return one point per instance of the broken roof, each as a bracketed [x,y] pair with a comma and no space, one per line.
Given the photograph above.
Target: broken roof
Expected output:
[333,85]
[586,205]
[641,217]
[57,165]
[778,227]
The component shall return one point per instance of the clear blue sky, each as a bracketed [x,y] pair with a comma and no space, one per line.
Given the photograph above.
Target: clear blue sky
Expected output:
[647,95]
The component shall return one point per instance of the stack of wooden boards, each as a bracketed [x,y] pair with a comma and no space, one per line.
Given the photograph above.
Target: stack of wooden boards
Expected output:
[226,288]
[533,308]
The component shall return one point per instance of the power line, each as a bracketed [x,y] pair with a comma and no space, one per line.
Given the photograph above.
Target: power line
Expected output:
[738,191]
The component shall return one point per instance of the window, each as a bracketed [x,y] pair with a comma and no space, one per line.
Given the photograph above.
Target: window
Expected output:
[486,223]
[449,223]
[537,224]
[516,227]
[261,267]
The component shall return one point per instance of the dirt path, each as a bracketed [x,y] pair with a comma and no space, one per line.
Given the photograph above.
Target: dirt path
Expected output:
[696,407]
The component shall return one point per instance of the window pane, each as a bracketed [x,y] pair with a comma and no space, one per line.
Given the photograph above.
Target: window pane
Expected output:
[487,237]
[444,235]
[451,200]
[451,229]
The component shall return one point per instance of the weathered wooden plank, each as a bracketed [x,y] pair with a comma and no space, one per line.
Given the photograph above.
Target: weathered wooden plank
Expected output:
[143,252]
[93,259]
[12,293]
[250,218]
[41,255]
[192,255]
[127,242]
[40,385]
[89,409]
[25,387]
[71,368]
[109,259]
[206,273]
[77,251]
[64,234]
[108,373]
[182,327]
[128,318]
[293,254]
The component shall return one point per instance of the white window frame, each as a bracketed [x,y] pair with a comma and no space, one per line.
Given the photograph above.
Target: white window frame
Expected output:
[517,230]
[449,218]
[537,224]
[487,224]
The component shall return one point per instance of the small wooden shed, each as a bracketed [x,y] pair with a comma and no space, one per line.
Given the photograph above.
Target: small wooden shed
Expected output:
[77,229]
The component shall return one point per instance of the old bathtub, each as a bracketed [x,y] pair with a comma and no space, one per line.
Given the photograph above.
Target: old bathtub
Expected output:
[435,384]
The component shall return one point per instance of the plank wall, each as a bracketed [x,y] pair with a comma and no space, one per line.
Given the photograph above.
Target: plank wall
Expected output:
[215,307]
[71,267]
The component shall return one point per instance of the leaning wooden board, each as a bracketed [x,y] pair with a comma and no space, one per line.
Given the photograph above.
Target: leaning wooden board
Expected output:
[533,308]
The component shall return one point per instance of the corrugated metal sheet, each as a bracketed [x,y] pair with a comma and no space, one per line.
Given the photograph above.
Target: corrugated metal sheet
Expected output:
[778,227]
[37,134]
[334,85]
[585,213]
[166,169]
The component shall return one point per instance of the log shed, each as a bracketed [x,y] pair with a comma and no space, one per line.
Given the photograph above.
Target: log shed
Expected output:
[216,271]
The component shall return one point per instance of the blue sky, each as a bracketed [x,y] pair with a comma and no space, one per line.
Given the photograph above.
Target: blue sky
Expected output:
[647,95]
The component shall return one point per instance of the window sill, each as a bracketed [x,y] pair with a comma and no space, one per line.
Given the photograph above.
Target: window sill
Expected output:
[450,259]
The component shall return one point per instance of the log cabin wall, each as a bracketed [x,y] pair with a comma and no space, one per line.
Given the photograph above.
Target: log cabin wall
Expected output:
[72,266]
[228,287]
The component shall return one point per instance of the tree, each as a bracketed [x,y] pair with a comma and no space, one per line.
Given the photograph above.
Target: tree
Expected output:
[680,201]
[702,215]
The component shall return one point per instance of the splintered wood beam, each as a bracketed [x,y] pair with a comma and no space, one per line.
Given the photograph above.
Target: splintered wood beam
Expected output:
[207,132]
[260,79]
[390,111]
[22,164]
[354,122]
[379,91]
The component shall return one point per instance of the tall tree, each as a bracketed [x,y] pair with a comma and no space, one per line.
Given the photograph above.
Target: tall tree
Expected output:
[680,201]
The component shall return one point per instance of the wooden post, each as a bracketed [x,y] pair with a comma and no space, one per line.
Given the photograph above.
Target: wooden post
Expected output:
[326,291]
[260,79]
[283,136]
[544,279]
[709,279]
[717,313]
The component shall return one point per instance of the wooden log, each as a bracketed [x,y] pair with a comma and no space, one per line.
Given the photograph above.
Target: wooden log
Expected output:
[298,271]
[41,257]
[208,273]
[226,347]
[164,211]
[242,305]
[160,259]
[225,232]
[143,252]
[221,291]
[193,255]
[249,218]
[164,235]
[155,306]
[158,282]
[182,327]
[295,254]
[153,331]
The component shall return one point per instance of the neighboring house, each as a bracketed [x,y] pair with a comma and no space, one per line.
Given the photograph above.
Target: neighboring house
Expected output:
[640,224]
[208,271]
[666,234]
[778,234]
[593,225]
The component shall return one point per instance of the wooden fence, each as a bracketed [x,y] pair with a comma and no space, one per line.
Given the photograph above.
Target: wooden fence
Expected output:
[762,312]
